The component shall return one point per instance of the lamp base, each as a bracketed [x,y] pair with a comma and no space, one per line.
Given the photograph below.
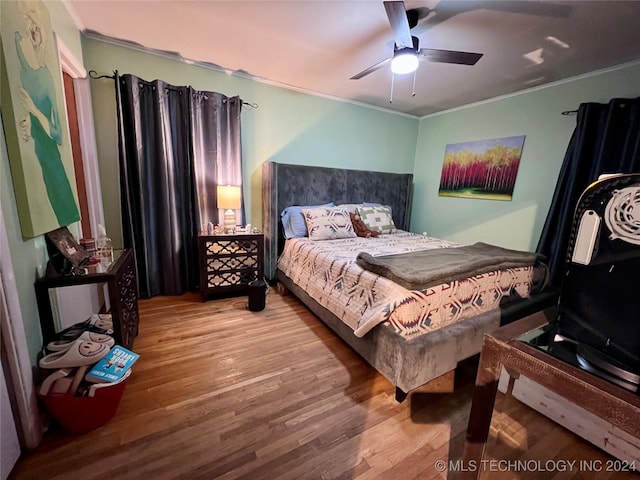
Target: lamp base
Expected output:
[229,221]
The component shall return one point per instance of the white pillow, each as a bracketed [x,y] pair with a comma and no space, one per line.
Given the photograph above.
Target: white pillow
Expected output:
[293,222]
[328,223]
[377,219]
[350,207]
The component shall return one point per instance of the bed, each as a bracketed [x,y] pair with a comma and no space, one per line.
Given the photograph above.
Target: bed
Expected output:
[408,352]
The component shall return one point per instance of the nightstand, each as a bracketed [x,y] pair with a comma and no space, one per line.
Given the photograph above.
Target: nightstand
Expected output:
[229,262]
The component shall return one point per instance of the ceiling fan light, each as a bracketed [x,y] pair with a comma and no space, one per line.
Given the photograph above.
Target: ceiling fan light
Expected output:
[404,62]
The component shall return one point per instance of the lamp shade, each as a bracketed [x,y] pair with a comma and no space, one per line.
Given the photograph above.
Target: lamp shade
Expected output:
[404,61]
[229,197]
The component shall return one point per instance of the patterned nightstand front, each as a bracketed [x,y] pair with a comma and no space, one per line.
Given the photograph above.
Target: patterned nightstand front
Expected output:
[229,262]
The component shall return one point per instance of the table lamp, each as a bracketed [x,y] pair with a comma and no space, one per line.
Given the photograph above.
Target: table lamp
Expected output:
[229,199]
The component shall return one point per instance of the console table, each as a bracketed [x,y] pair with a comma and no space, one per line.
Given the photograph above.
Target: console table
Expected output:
[501,348]
[120,277]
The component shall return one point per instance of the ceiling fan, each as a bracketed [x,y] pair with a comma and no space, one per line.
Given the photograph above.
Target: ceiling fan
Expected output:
[406,51]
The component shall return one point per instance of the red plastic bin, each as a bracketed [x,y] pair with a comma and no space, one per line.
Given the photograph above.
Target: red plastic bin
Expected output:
[83,414]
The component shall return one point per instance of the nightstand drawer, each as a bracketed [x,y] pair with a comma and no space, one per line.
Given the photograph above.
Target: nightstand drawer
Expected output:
[219,264]
[230,247]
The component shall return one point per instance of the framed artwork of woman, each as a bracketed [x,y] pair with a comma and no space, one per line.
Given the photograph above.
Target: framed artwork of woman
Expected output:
[37,139]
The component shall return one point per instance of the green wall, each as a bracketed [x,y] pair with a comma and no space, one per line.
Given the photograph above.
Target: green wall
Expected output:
[288,126]
[536,114]
[65,27]
[29,257]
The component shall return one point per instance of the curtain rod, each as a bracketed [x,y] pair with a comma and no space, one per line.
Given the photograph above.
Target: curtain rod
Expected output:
[569,112]
[93,74]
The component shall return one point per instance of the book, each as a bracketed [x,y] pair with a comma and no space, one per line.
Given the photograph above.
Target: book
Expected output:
[113,366]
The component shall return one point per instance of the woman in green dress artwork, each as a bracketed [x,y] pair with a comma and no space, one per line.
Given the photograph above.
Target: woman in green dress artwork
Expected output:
[42,122]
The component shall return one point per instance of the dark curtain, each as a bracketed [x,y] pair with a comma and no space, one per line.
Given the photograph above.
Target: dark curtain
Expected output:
[606,140]
[159,148]
[216,148]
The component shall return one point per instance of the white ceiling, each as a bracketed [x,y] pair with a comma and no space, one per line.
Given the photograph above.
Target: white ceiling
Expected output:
[318,45]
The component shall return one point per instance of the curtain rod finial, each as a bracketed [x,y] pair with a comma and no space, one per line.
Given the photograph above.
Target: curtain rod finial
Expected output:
[93,74]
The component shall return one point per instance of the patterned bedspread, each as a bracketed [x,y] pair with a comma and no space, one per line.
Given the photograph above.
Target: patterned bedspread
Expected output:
[328,272]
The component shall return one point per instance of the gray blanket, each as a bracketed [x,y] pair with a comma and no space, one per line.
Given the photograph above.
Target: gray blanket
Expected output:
[427,268]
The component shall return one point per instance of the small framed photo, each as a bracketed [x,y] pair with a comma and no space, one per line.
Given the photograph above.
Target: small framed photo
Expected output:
[64,242]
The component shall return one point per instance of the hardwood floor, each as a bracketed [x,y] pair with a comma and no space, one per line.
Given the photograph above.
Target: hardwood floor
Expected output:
[221,392]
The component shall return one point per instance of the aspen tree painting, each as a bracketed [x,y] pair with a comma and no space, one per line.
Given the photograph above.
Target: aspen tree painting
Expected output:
[483,169]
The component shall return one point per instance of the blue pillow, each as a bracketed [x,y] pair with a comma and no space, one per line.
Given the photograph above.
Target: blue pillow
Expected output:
[293,221]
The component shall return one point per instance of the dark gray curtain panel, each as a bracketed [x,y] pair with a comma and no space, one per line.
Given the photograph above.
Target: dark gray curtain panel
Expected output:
[166,146]
[606,140]
[216,148]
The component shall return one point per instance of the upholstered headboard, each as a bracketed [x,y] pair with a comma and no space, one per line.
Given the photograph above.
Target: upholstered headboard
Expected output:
[286,185]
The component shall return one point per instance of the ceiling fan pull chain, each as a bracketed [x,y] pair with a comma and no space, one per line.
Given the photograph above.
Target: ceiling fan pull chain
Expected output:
[393,76]
[415,74]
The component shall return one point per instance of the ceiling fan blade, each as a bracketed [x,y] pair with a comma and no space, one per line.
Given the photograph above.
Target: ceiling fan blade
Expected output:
[371,69]
[399,24]
[449,56]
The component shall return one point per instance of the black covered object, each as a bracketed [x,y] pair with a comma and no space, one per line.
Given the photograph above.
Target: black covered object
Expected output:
[599,304]
[257,292]
[606,140]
